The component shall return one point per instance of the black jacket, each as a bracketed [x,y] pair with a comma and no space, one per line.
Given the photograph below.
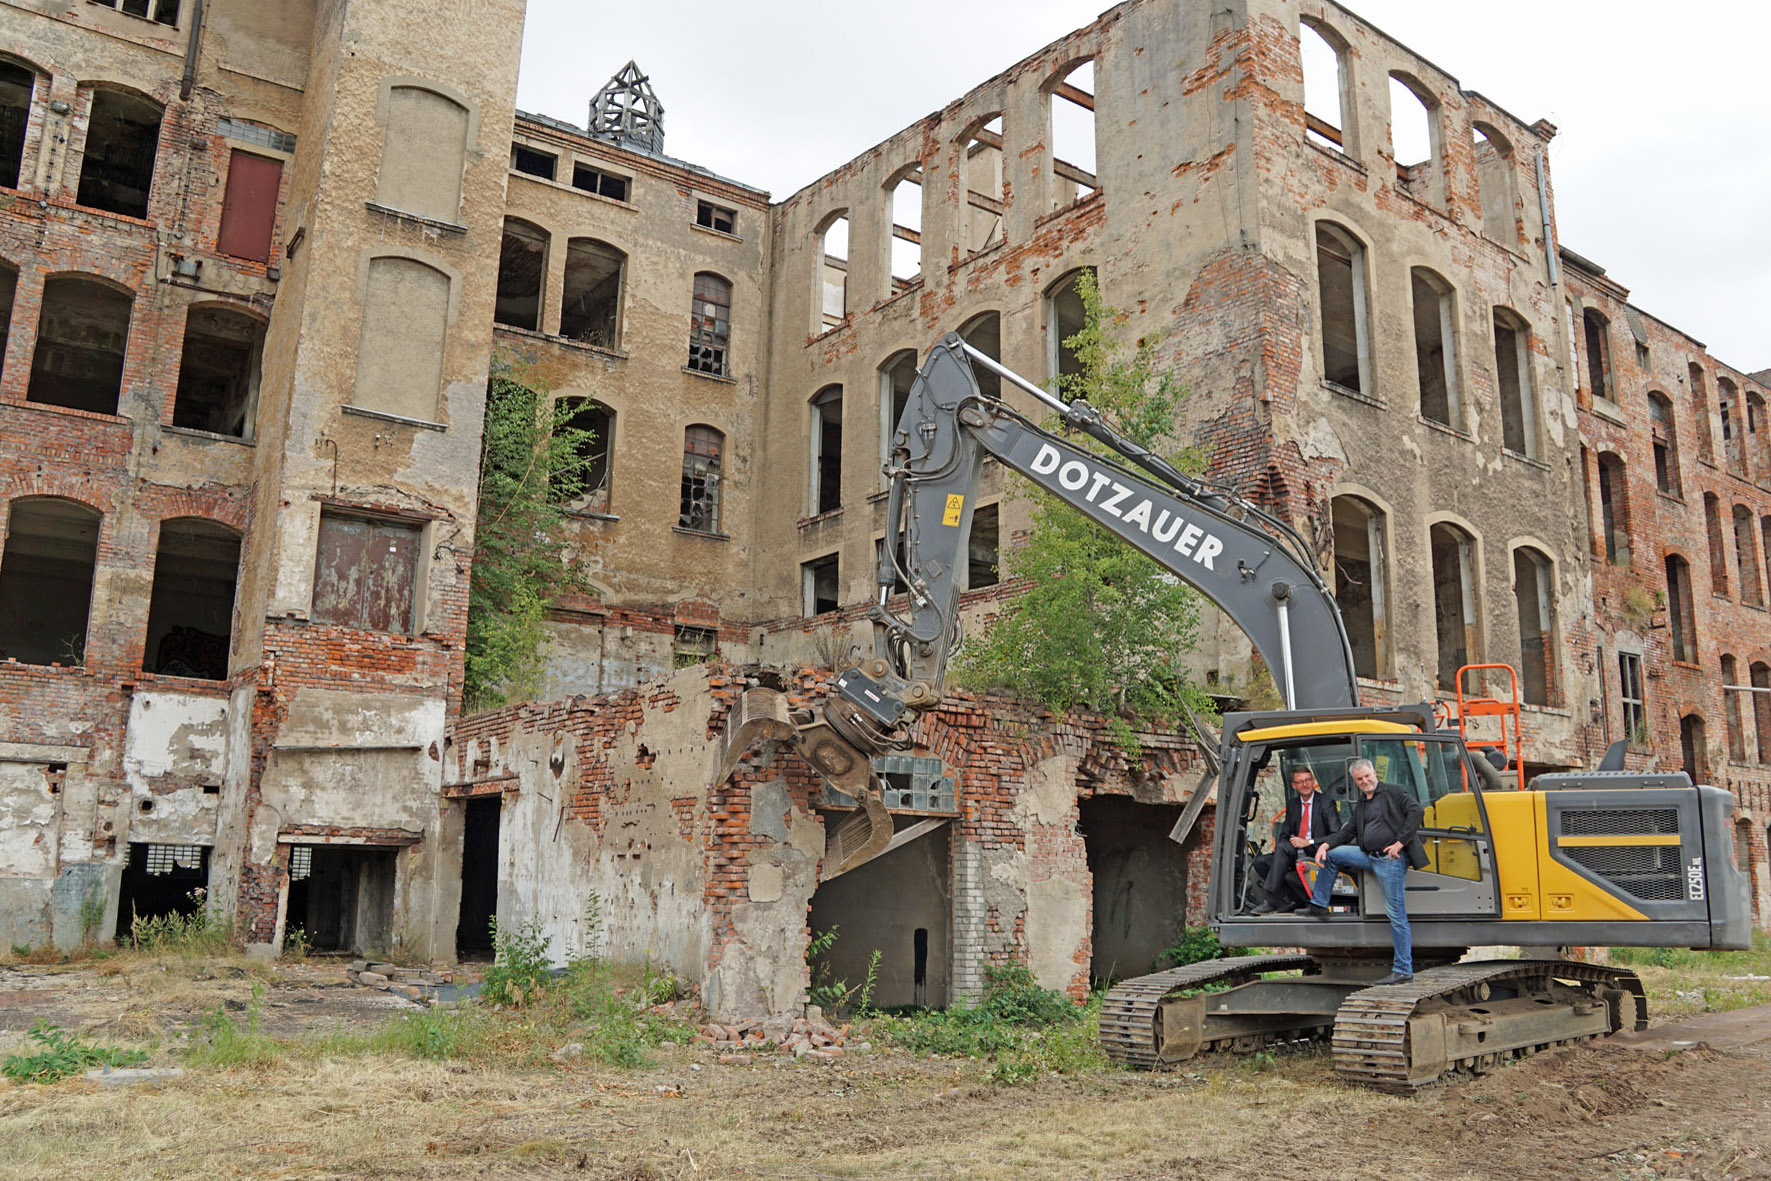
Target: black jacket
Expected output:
[1399,808]
[1325,820]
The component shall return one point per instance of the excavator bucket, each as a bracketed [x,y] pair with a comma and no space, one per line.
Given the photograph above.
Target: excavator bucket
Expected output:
[762,716]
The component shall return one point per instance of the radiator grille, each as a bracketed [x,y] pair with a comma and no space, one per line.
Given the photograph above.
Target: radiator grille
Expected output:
[1620,822]
[1652,873]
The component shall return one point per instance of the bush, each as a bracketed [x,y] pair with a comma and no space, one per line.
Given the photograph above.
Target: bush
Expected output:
[1025,1028]
[62,1056]
[522,966]
[1197,944]
[196,934]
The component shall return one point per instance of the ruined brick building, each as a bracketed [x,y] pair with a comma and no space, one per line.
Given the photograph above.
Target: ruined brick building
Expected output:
[256,261]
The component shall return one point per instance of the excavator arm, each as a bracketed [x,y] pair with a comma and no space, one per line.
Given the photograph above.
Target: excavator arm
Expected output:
[1250,564]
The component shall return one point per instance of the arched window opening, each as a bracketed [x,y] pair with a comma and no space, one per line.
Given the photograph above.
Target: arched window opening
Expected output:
[218,372]
[1597,330]
[1693,748]
[1340,289]
[1614,509]
[981,569]
[1758,435]
[1512,372]
[1360,583]
[1535,593]
[1665,437]
[1454,600]
[46,580]
[16,84]
[981,175]
[896,377]
[710,324]
[82,331]
[703,449]
[906,239]
[1681,620]
[191,611]
[1700,413]
[1494,177]
[1733,445]
[984,333]
[1325,88]
[8,288]
[1736,733]
[590,308]
[595,448]
[1064,318]
[1760,674]
[1435,353]
[117,166]
[1072,115]
[833,272]
[826,491]
[1712,522]
[1414,137]
[522,270]
[1746,557]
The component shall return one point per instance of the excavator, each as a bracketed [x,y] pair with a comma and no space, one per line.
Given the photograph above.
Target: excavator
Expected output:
[1578,859]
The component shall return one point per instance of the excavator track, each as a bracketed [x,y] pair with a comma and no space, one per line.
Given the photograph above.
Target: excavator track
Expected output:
[1129,1014]
[1467,1018]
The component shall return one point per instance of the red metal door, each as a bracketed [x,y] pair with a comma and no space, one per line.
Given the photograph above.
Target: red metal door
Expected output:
[249,210]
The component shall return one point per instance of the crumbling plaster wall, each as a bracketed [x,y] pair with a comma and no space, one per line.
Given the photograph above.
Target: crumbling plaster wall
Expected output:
[613,797]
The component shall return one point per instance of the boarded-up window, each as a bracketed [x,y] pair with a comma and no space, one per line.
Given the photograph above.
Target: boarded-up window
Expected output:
[249,210]
[16,84]
[366,573]
[82,331]
[400,352]
[702,446]
[423,151]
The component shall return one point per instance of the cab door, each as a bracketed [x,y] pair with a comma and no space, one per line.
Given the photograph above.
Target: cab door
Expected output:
[1459,878]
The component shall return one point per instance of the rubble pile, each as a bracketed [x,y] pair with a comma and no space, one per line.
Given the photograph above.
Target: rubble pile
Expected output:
[418,984]
[804,1037]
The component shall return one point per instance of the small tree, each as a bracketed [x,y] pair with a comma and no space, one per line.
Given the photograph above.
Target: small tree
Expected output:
[532,462]
[1101,627]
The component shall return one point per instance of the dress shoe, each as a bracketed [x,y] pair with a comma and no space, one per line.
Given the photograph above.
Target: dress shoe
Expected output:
[1393,978]
[1319,912]
[1262,908]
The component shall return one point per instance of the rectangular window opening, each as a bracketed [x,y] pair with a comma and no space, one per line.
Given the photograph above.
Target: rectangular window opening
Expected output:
[532,163]
[715,217]
[595,180]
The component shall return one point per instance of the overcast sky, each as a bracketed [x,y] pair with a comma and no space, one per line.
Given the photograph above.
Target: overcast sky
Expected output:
[1662,167]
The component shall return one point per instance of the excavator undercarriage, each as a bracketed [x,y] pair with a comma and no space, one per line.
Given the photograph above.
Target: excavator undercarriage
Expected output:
[1452,1019]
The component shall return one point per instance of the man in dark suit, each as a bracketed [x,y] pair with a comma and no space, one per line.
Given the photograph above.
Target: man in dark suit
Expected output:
[1382,835]
[1310,818]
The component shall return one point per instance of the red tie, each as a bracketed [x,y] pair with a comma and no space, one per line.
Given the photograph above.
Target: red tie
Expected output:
[1304,827]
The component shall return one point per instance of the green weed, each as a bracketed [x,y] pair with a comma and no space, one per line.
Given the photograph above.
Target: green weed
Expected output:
[196,934]
[522,966]
[231,1043]
[1196,945]
[62,1056]
[1025,1029]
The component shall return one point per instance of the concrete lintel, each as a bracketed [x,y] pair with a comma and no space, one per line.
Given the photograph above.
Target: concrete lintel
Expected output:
[41,752]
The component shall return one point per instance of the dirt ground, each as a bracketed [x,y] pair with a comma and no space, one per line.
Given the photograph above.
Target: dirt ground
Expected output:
[1691,1101]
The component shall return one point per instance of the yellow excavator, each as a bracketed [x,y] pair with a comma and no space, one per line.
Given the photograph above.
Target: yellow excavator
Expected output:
[1583,859]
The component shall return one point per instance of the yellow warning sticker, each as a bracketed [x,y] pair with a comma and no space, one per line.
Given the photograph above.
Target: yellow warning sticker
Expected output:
[955,502]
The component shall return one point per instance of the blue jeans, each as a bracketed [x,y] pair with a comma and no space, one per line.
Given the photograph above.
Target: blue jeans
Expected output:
[1390,871]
